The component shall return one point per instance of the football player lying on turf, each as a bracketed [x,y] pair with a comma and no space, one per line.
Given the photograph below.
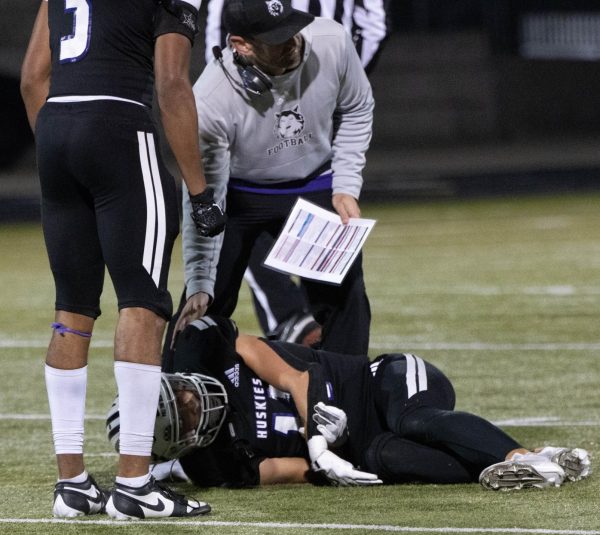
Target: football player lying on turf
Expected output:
[392,417]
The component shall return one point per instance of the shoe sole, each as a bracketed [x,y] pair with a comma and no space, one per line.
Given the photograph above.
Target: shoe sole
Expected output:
[513,476]
[115,514]
[574,466]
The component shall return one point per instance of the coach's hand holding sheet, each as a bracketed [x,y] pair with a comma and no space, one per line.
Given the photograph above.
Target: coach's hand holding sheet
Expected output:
[318,244]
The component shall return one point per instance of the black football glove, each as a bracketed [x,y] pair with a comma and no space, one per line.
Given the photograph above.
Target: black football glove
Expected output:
[206,214]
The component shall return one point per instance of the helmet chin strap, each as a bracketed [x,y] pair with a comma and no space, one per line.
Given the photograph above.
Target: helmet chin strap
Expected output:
[62,329]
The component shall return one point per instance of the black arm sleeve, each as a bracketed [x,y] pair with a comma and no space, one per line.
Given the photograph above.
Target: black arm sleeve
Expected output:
[175,16]
[305,359]
[317,391]
[295,355]
[222,467]
[204,345]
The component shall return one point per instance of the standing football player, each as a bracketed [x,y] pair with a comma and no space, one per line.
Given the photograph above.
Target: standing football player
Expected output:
[88,81]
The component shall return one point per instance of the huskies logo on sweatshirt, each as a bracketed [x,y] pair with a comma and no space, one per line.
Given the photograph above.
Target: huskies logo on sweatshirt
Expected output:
[289,129]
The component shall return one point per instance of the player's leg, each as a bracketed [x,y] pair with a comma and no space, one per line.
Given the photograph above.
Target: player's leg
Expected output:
[75,257]
[138,221]
[281,305]
[168,350]
[399,460]
[343,311]
[417,400]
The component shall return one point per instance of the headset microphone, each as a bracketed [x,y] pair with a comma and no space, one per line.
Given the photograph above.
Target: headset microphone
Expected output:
[253,80]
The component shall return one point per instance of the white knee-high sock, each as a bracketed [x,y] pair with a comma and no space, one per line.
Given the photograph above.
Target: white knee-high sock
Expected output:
[66,397]
[139,387]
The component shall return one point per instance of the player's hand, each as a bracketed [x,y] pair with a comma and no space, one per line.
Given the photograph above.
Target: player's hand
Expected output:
[342,473]
[346,206]
[206,214]
[332,423]
[334,468]
[194,309]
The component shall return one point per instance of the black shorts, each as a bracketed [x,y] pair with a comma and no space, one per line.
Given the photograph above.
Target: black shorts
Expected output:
[403,382]
[107,200]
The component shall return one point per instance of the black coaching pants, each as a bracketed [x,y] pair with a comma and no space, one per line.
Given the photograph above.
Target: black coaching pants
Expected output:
[343,311]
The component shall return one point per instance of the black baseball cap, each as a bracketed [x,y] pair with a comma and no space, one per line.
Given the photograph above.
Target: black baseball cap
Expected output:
[270,21]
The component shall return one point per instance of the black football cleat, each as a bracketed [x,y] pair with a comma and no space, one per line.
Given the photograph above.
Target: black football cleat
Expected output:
[78,499]
[153,500]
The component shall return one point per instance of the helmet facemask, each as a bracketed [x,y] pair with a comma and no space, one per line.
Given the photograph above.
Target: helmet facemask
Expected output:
[191,410]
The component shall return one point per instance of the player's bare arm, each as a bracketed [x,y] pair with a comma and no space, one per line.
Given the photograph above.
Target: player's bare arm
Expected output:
[279,470]
[177,106]
[270,367]
[35,71]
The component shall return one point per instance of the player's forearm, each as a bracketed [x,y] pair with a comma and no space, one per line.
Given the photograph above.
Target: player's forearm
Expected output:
[178,107]
[270,367]
[280,470]
[178,114]
[35,71]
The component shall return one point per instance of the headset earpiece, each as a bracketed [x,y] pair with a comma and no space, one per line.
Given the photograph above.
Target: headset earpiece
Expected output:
[253,80]
[240,60]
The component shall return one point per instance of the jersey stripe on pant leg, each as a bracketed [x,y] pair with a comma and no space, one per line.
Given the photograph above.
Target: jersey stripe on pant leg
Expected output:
[416,375]
[154,243]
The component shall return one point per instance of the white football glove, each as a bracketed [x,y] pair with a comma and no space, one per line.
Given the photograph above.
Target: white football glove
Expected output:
[332,423]
[335,469]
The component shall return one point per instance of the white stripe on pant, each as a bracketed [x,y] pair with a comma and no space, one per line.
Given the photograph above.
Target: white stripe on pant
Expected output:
[155,207]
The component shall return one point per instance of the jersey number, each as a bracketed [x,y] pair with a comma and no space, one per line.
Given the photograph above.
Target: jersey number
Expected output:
[73,47]
[285,423]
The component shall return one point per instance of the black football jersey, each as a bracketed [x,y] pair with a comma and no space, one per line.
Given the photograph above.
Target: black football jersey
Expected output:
[349,385]
[106,47]
[264,418]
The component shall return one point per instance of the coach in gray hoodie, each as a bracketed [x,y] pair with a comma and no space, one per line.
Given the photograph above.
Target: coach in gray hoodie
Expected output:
[285,111]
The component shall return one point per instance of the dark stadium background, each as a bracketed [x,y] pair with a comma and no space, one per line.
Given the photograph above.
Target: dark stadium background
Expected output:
[473,98]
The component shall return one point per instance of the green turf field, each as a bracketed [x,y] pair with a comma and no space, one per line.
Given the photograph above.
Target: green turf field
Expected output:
[503,295]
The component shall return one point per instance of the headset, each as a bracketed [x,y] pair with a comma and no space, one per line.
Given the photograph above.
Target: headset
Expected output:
[253,79]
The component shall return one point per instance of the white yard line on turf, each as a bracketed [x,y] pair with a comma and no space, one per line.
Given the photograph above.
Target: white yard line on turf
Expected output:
[382,342]
[527,421]
[294,525]
[378,343]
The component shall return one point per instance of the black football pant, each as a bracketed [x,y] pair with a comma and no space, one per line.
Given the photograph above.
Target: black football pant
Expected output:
[107,200]
[427,440]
